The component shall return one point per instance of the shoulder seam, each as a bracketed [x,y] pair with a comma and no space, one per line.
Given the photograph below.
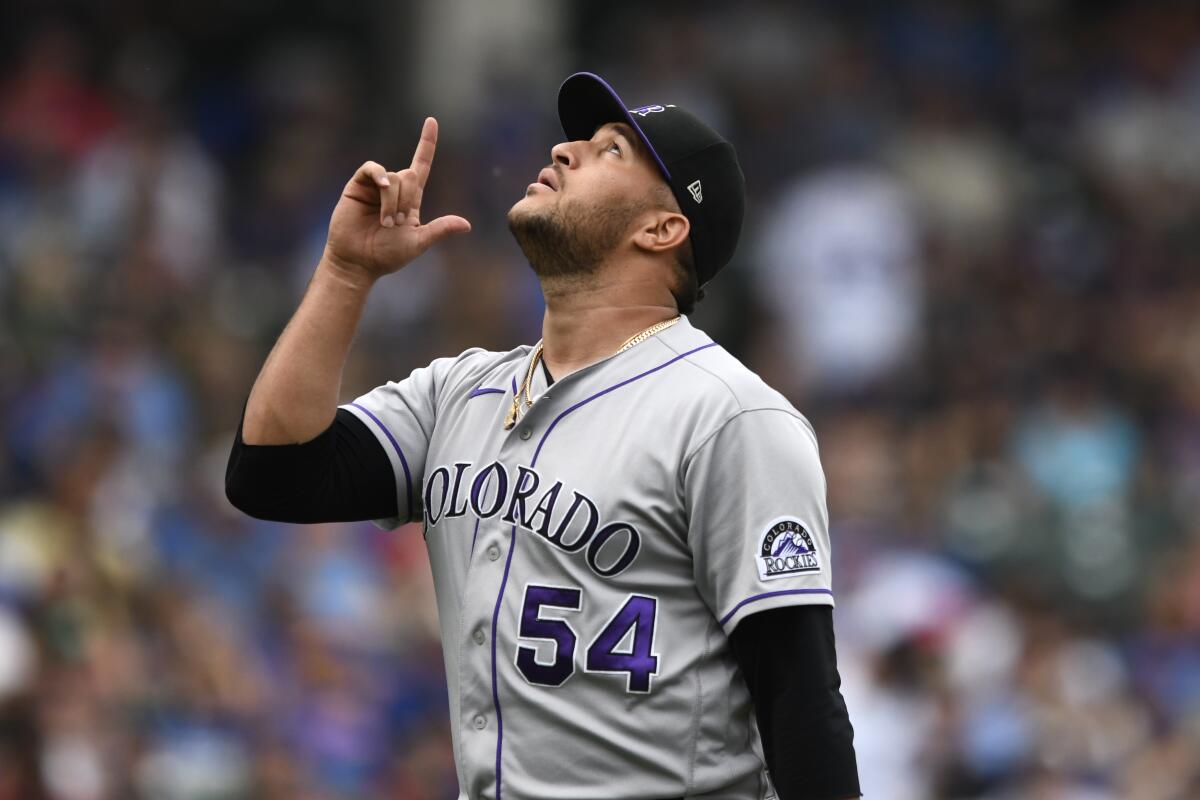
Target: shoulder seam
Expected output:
[687,459]
[702,368]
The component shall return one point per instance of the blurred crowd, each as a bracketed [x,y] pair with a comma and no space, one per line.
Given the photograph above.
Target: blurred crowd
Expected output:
[971,257]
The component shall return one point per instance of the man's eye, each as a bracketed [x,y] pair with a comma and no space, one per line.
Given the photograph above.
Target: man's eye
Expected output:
[615,146]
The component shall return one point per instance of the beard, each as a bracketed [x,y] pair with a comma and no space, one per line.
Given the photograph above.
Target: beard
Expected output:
[568,240]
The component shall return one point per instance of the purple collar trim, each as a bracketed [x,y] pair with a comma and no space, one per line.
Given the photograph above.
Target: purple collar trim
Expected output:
[612,388]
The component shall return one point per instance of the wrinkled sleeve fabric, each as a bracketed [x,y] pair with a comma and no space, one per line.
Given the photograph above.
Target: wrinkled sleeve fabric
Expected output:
[341,475]
[758,527]
[788,659]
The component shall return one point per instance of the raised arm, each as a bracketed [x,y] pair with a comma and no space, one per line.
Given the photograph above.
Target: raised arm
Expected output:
[375,230]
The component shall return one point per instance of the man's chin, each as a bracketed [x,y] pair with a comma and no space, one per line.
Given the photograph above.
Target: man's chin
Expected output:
[525,208]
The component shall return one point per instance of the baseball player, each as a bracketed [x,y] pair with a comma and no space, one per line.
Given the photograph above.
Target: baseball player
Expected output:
[627,527]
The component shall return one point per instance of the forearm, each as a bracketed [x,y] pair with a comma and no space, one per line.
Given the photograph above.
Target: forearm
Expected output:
[295,396]
[342,474]
[788,659]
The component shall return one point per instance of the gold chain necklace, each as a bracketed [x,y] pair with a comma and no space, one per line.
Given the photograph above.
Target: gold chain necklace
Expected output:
[523,390]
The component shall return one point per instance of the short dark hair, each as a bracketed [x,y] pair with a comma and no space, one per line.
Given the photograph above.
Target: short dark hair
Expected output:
[687,291]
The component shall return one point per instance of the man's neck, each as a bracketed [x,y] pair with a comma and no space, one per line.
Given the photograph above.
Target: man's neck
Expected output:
[586,325]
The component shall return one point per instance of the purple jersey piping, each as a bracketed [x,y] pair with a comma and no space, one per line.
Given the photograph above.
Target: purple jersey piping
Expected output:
[399,452]
[512,545]
[603,392]
[764,596]
[479,390]
[513,541]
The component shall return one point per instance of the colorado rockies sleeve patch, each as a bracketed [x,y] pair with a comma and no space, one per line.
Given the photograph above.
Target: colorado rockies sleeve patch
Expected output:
[787,548]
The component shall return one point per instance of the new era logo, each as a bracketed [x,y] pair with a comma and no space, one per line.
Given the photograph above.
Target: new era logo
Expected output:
[694,188]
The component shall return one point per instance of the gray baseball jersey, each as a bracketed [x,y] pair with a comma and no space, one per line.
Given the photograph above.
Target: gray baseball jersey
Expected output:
[590,563]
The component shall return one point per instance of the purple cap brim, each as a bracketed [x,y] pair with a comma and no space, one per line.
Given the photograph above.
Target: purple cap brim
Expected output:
[586,101]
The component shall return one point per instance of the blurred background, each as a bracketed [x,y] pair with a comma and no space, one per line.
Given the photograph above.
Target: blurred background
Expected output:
[971,257]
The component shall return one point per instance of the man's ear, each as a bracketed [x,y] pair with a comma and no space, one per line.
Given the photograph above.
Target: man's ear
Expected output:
[662,231]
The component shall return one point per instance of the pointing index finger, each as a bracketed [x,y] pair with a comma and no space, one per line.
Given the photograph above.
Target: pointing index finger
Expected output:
[423,157]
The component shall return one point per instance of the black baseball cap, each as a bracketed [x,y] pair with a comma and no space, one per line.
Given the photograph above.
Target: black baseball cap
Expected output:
[698,164]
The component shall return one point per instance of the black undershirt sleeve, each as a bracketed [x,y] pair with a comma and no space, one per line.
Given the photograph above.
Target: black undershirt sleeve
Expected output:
[342,475]
[788,660]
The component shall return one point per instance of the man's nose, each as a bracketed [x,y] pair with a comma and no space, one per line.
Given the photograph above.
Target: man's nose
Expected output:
[563,154]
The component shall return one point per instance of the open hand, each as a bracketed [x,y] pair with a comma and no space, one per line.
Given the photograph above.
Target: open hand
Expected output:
[376,226]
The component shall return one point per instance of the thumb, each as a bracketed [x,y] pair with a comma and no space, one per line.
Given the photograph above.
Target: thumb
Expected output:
[434,231]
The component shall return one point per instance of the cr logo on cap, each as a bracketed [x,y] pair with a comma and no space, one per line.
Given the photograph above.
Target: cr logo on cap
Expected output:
[644,110]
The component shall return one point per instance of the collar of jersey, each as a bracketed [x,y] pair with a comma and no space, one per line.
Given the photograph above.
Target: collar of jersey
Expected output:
[634,360]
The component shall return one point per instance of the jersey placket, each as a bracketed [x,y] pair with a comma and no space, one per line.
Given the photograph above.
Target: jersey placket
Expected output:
[485,624]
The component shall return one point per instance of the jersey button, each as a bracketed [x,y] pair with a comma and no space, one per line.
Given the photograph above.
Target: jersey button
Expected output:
[478,636]
[493,552]
[480,722]
[526,433]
